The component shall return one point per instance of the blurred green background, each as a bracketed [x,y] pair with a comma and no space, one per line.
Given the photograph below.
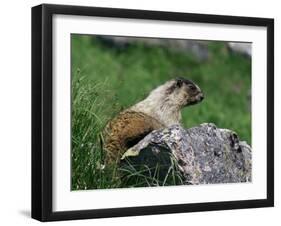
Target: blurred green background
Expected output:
[107,78]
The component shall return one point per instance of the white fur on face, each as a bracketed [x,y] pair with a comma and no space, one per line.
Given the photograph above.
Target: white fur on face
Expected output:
[165,108]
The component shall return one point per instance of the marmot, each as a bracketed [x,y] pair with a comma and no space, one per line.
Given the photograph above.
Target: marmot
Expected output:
[160,109]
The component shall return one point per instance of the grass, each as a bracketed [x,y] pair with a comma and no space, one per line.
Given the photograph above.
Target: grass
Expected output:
[106,80]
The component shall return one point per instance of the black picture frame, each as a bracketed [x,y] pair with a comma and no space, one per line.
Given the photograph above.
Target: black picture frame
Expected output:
[42,120]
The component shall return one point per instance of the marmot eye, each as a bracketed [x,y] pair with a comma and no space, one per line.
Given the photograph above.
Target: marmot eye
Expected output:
[192,87]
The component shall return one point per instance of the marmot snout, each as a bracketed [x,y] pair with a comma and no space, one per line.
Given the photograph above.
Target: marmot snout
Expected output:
[160,109]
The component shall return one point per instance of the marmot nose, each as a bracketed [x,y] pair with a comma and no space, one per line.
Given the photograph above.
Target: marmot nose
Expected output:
[201,97]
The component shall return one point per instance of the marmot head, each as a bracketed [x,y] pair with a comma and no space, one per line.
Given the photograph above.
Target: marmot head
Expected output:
[165,102]
[183,92]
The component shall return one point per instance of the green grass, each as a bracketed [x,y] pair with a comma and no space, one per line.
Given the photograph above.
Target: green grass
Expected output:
[106,80]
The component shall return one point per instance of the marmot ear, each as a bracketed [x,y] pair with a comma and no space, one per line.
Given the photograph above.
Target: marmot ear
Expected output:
[179,82]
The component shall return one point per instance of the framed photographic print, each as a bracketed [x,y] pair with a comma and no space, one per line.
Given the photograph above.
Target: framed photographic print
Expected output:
[145,112]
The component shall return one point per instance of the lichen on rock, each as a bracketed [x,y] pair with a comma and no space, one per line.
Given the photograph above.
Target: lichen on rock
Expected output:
[204,154]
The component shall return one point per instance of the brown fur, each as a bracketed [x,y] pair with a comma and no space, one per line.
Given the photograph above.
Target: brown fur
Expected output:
[126,130]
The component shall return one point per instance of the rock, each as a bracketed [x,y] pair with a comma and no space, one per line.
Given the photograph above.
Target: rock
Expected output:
[204,154]
[243,48]
[198,49]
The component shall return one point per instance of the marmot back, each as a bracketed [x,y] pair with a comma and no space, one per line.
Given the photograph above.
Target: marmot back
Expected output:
[126,130]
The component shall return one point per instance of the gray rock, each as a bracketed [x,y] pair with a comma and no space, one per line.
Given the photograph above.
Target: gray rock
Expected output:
[242,48]
[204,154]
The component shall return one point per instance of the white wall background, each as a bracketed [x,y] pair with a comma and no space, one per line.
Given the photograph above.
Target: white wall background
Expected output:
[15,93]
